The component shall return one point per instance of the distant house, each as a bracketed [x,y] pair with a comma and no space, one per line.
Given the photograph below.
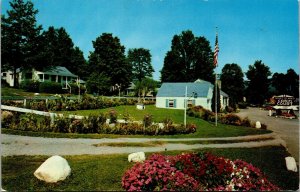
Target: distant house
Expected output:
[55,74]
[172,95]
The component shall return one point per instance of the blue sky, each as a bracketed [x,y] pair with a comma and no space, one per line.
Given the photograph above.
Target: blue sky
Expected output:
[249,30]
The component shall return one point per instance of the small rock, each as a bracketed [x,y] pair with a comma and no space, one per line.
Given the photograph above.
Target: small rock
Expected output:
[137,157]
[53,169]
[257,125]
[291,164]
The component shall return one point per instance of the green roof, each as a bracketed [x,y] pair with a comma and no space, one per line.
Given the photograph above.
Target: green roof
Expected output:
[58,70]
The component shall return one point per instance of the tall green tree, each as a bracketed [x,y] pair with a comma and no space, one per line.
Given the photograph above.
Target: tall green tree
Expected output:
[258,87]
[278,81]
[109,58]
[292,83]
[213,101]
[140,59]
[233,82]
[20,37]
[58,50]
[189,59]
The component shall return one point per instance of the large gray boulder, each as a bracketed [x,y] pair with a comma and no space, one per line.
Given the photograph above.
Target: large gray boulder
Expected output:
[53,169]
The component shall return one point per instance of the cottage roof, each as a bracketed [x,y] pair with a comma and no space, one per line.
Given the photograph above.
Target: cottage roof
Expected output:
[58,70]
[200,87]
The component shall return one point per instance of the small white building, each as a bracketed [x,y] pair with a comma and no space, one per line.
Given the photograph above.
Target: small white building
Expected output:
[55,74]
[172,95]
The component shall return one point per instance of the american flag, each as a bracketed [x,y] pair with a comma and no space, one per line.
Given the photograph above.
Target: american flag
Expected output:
[216,52]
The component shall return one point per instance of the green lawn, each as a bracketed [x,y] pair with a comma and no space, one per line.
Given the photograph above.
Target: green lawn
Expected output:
[104,172]
[204,128]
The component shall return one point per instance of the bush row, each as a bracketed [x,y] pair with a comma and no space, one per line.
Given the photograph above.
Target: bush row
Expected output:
[229,119]
[85,103]
[195,172]
[49,87]
[90,124]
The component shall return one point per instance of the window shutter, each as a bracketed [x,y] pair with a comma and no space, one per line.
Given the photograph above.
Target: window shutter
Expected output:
[167,102]
[194,102]
[174,103]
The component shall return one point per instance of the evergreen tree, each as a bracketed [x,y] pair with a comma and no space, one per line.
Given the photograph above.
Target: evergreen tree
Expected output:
[109,58]
[233,82]
[20,37]
[189,59]
[140,59]
[257,90]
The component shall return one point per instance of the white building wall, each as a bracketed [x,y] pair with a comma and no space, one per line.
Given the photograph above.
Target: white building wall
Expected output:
[161,102]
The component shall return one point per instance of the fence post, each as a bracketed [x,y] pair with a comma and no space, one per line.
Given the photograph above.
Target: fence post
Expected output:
[24,103]
[52,117]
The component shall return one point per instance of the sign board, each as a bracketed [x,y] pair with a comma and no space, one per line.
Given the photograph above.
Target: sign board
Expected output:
[284,101]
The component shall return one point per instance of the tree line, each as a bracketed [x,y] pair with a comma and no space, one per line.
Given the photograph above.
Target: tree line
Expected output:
[109,69]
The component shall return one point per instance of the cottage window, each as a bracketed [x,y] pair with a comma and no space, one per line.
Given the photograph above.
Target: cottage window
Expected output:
[4,75]
[171,103]
[41,76]
[46,76]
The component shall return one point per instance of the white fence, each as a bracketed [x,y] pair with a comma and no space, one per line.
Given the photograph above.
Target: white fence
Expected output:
[49,114]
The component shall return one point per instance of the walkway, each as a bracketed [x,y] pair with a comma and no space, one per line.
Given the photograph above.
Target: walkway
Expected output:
[24,145]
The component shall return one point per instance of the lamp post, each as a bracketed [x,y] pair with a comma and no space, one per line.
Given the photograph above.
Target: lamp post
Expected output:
[185,103]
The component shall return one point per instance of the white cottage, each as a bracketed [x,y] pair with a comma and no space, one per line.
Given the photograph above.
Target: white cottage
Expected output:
[55,74]
[172,95]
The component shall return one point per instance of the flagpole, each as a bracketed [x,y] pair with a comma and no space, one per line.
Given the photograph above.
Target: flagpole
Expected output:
[216,100]
[216,65]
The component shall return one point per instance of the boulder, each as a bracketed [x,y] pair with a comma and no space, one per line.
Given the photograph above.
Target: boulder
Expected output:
[53,169]
[291,164]
[137,157]
[257,125]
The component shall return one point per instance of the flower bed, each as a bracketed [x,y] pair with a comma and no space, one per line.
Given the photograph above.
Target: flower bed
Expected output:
[92,124]
[195,172]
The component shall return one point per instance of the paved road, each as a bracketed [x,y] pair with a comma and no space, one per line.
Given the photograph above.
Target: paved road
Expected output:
[24,145]
[287,129]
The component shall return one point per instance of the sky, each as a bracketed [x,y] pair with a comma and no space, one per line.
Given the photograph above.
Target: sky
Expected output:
[248,30]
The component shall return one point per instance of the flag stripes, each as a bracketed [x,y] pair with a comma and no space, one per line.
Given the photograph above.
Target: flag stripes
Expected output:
[216,52]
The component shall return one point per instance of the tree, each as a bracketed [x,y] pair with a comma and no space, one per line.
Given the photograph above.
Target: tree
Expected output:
[58,50]
[98,83]
[233,82]
[257,90]
[213,104]
[20,37]
[144,86]
[140,59]
[189,59]
[292,83]
[109,58]
[278,81]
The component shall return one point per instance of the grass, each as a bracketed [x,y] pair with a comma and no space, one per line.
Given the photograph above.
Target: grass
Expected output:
[104,172]
[132,144]
[162,143]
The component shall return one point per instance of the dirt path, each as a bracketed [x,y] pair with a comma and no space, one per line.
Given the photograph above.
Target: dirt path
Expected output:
[24,145]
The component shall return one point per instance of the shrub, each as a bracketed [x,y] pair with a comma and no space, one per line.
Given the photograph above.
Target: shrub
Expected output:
[231,119]
[147,120]
[50,87]
[113,116]
[30,85]
[195,172]
[28,122]
[6,118]
[264,126]
[242,105]
[61,124]
[246,122]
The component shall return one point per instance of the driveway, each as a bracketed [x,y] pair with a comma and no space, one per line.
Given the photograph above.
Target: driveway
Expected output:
[287,129]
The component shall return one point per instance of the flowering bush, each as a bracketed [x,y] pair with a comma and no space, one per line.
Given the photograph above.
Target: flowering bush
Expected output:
[195,172]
